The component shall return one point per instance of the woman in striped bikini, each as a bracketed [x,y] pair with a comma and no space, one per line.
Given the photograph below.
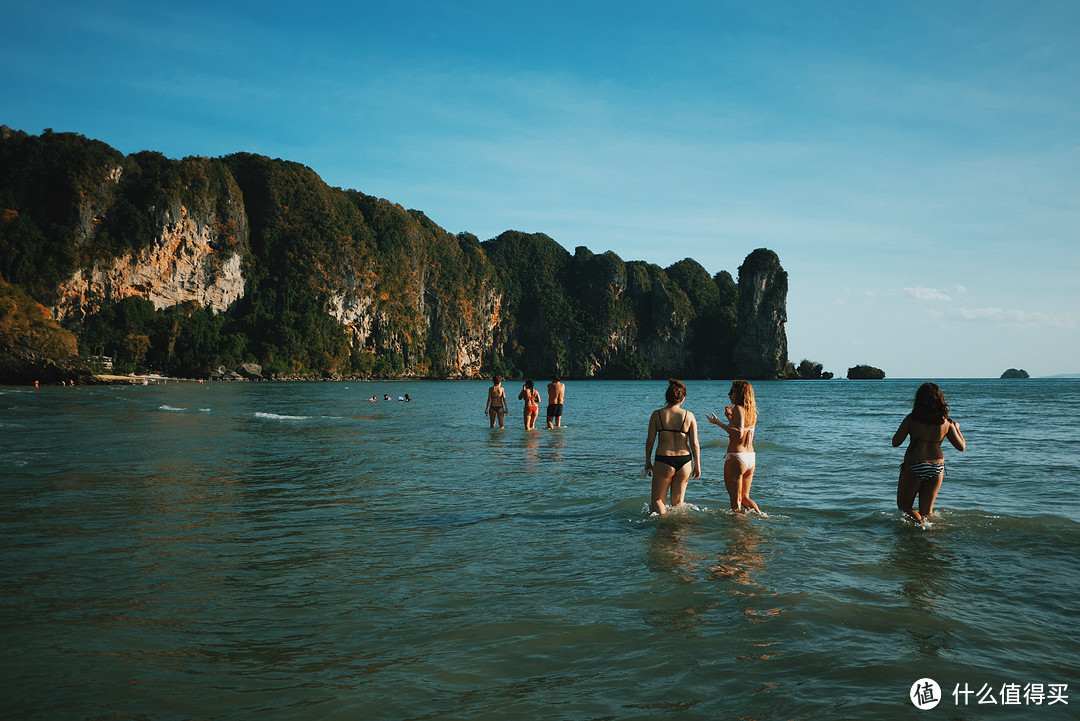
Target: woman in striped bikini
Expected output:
[923,468]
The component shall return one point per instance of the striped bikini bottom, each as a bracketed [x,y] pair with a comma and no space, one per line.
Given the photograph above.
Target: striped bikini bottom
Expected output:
[926,471]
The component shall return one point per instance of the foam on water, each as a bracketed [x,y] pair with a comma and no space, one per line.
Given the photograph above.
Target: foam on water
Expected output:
[280,416]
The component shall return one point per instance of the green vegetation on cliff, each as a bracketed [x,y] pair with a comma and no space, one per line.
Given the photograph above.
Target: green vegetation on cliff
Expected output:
[68,201]
[338,281]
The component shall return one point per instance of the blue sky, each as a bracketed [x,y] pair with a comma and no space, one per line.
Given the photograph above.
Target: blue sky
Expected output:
[916,166]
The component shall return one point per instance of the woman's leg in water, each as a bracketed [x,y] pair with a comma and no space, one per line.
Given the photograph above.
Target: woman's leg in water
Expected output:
[906,490]
[928,494]
[732,476]
[744,490]
[662,475]
[678,484]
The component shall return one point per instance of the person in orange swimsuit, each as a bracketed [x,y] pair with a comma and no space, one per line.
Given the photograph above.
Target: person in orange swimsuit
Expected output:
[923,468]
[531,396]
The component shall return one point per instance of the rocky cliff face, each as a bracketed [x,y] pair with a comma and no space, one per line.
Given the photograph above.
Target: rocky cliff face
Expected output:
[466,341]
[284,263]
[761,342]
[180,265]
[665,322]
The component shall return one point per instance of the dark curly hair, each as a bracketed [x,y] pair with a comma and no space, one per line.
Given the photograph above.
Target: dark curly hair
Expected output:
[930,406]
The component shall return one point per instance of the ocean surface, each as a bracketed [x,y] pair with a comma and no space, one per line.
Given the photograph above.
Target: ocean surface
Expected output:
[294,551]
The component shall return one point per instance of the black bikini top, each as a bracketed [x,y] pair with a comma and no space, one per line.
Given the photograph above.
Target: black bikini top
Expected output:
[660,420]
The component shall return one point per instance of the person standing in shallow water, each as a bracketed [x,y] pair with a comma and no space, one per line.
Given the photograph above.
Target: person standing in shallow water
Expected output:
[740,459]
[678,454]
[556,393]
[531,396]
[923,469]
[496,402]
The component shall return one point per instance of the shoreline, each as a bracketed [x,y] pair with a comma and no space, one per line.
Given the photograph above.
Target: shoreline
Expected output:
[147,379]
[139,379]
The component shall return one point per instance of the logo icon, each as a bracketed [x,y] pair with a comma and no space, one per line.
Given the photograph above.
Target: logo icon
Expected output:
[925,694]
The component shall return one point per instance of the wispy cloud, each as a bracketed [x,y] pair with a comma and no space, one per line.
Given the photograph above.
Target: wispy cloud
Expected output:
[921,293]
[1001,316]
[927,293]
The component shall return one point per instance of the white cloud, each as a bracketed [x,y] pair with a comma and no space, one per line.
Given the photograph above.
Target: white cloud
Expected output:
[1000,316]
[928,293]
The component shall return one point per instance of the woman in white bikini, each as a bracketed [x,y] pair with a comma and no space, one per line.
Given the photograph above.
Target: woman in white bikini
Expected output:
[740,459]
[923,468]
[678,454]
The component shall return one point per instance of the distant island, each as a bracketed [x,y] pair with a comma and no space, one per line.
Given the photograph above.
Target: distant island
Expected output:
[865,373]
[812,371]
[1015,373]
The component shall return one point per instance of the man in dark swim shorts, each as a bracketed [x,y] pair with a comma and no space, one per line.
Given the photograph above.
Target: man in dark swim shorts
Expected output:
[556,392]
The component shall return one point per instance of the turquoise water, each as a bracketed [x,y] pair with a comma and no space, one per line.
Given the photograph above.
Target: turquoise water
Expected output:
[292,551]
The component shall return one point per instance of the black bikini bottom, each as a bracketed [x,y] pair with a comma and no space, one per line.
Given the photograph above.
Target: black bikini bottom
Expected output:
[675,462]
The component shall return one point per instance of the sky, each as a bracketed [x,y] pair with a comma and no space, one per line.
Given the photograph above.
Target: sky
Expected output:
[914,165]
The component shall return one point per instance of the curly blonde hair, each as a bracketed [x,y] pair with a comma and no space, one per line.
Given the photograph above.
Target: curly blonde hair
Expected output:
[742,394]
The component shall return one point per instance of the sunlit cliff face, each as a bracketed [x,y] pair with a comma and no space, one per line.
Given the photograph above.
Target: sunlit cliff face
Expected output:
[180,265]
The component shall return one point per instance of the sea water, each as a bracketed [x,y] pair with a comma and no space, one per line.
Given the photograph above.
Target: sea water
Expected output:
[295,551]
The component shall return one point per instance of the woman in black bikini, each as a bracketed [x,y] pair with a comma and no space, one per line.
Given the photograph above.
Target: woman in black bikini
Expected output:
[496,402]
[923,468]
[678,455]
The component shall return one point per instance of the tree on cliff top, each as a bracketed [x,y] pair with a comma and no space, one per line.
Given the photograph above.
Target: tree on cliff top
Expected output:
[865,372]
[763,260]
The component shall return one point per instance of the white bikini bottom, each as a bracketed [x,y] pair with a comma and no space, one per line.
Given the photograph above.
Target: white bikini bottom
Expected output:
[746,458]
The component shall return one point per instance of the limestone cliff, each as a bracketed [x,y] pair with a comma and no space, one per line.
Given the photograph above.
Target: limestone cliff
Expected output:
[180,265]
[761,342]
[184,266]
[663,320]
[464,334]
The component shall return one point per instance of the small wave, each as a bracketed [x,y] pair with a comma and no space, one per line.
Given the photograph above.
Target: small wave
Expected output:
[172,409]
[686,511]
[280,417]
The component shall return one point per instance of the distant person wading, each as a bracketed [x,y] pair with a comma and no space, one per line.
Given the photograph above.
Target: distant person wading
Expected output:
[531,396]
[556,394]
[495,407]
